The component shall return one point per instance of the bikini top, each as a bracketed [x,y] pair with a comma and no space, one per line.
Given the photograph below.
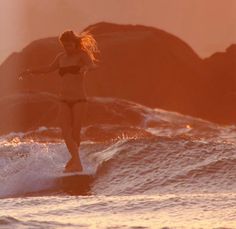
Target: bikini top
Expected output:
[73,69]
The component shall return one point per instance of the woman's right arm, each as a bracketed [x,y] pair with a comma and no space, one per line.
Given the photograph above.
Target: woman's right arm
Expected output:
[44,69]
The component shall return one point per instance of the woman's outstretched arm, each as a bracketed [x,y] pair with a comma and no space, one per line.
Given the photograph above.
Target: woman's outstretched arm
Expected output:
[43,69]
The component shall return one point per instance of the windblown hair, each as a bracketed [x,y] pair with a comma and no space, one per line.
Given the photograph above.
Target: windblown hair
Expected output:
[85,41]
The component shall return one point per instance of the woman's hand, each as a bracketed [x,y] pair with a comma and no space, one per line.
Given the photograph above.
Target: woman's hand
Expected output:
[83,70]
[26,72]
[87,68]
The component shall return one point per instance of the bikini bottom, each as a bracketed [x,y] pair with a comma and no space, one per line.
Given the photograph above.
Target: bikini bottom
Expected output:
[71,103]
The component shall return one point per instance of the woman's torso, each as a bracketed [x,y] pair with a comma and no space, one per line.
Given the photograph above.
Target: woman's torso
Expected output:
[71,80]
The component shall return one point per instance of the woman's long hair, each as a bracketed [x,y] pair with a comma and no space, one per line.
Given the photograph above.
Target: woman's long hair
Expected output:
[85,42]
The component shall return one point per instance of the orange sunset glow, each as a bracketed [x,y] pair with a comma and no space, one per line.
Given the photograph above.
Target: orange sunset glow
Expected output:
[208,26]
[118,114]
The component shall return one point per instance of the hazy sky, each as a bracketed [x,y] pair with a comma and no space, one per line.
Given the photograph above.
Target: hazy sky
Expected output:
[206,25]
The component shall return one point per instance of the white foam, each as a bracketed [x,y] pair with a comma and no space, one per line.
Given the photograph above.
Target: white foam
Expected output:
[30,167]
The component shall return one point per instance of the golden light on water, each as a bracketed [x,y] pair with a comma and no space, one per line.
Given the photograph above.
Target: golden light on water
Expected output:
[152,211]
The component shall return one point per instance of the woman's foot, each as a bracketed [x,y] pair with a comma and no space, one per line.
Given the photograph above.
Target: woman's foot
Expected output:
[69,163]
[73,166]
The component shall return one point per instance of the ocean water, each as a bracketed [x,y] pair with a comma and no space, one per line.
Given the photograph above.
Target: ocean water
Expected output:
[151,169]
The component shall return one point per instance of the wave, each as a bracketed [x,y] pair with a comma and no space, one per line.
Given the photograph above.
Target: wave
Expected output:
[130,148]
[162,165]
[7,220]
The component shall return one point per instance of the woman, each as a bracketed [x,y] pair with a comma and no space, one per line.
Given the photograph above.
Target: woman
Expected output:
[72,64]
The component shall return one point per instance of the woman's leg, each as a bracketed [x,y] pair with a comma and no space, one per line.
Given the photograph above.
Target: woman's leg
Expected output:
[79,114]
[66,117]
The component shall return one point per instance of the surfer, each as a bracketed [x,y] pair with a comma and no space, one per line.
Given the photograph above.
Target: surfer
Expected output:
[77,58]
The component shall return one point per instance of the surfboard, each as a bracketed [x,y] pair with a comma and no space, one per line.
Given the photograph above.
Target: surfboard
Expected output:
[75,183]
